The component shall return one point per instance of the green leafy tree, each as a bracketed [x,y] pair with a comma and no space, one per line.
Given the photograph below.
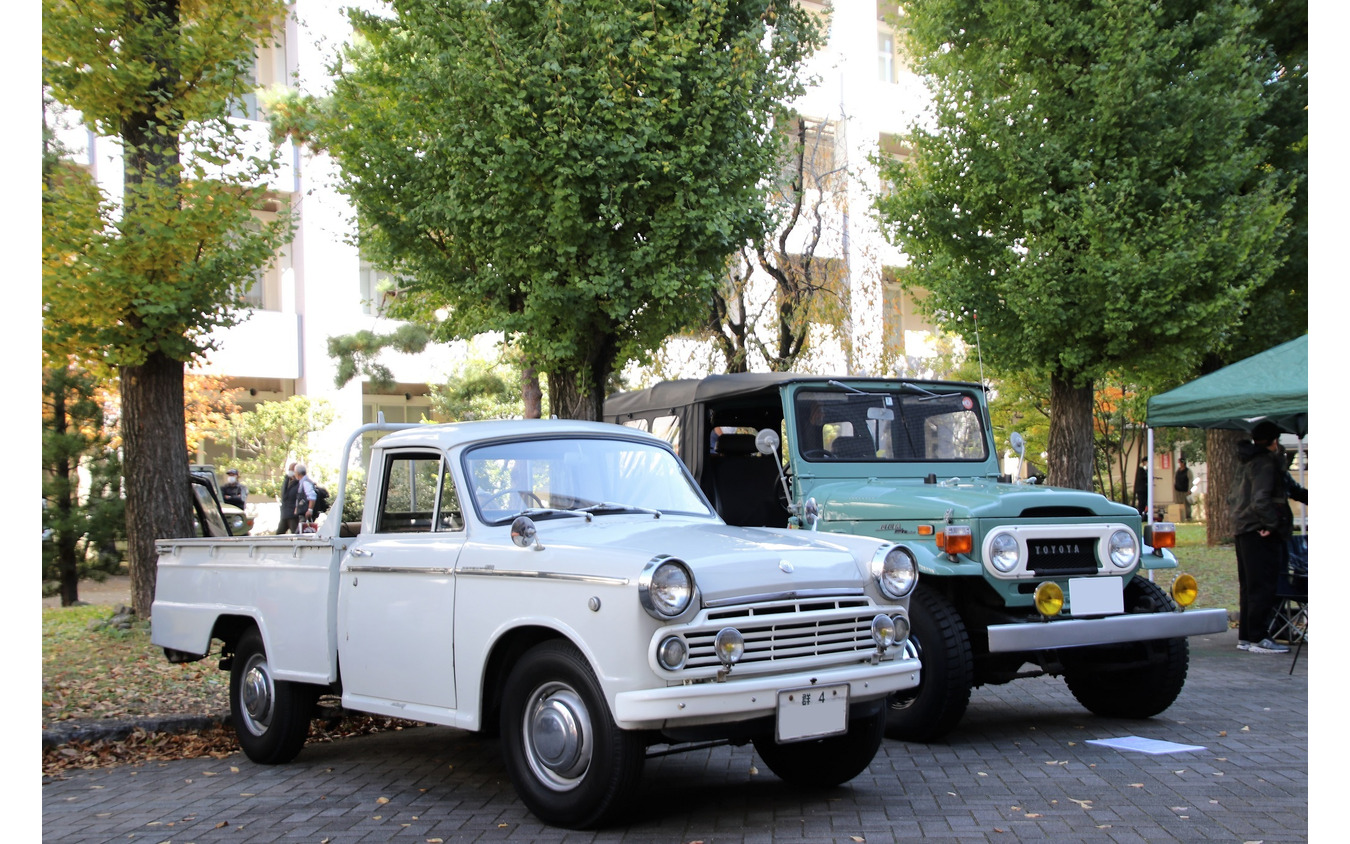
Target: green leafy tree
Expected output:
[84,528]
[176,250]
[571,174]
[481,390]
[1094,185]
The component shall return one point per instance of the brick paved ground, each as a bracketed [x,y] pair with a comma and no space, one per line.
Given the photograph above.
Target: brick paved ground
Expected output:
[1018,769]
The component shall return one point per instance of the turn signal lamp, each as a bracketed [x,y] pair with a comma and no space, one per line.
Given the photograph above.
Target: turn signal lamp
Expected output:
[1185,590]
[955,539]
[1049,599]
[1161,535]
[925,530]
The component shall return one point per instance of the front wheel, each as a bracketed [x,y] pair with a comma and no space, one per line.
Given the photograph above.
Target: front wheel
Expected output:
[570,763]
[930,710]
[1134,679]
[270,716]
[826,762]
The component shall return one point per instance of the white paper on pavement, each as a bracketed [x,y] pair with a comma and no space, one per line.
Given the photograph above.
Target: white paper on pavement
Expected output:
[1144,745]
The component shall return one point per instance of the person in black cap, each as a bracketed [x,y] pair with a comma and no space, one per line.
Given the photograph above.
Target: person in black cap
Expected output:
[234,492]
[1262,524]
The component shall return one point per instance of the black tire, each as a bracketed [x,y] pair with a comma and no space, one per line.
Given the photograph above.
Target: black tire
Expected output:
[930,710]
[827,762]
[570,763]
[270,716]
[1097,680]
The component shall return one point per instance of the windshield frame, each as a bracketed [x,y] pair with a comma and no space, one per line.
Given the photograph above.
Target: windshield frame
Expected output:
[824,416]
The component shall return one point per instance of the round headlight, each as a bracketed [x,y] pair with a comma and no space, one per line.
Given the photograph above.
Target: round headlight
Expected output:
[665,588]
[730,645]
[1123,550]
[1004,552]
[1049,598]
[883,631]
[895,570]
[671,653]
[1185,590]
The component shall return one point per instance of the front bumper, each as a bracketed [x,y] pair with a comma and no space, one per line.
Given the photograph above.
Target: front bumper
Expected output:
[1133,627]
[740,699]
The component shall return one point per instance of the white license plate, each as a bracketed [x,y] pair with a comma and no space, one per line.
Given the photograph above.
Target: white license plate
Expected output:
[812,712]
[1096,596]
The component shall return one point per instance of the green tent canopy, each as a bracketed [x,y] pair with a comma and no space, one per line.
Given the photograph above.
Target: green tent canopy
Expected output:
[1272,385]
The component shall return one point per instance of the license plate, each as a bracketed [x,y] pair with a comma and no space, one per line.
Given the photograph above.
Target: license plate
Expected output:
[1096,596]
[812,712]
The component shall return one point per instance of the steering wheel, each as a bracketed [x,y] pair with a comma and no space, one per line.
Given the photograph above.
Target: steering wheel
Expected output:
[817,454]
[525,495]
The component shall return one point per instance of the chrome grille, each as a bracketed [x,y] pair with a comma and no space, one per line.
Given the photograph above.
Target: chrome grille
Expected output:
[789,631]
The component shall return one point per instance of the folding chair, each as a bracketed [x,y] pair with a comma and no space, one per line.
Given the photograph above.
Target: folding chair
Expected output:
[1291,613]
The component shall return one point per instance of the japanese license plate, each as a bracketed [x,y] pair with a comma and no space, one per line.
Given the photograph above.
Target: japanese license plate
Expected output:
[812,712]
[1096,596]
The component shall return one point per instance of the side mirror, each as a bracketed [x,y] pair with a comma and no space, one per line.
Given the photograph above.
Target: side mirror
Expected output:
[1018,444]
[767,442]
[811,514]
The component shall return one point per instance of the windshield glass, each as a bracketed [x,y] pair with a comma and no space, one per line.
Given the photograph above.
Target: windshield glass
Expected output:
[907,425]
[575,473]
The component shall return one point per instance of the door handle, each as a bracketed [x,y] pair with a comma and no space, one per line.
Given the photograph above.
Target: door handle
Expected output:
[361,552]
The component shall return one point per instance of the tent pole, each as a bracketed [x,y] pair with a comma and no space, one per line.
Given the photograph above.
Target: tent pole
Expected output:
[1150,485]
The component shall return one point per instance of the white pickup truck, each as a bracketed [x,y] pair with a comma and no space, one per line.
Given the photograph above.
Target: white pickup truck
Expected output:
[566,586]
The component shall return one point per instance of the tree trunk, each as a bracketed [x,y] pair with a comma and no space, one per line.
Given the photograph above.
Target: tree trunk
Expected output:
[1221,462]
[66,503]
[530,394]
[1070,451]
[572,395]
[155,458]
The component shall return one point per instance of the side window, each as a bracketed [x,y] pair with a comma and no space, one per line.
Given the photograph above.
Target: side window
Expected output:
[411,482]
[451,513]
[668,429]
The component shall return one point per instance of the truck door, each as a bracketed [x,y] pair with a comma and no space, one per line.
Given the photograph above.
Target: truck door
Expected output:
[397,587]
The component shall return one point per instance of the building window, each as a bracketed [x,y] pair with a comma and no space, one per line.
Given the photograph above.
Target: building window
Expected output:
[885,57]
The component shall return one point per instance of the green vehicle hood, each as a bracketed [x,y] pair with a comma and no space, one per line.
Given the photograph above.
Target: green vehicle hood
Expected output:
[884,499]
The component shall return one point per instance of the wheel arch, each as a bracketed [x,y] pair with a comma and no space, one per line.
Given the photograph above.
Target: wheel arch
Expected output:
[502,655]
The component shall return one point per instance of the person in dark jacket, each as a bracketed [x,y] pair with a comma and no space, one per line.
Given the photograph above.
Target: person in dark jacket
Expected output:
[1262,524]
[1181,485]
[233,491]
[289,523]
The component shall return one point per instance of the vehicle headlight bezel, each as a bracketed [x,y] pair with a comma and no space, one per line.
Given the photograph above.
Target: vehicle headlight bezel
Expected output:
[1122,548]
[895,571]
[666,588]
[1005,551]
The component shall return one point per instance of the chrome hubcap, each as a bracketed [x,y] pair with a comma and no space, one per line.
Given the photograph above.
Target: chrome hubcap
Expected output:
[256,695]
[557,730]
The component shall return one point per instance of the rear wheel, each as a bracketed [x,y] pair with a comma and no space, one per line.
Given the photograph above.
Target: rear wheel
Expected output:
[570,763]
[930,710]
[826,762]
[271,717]
[1135,679]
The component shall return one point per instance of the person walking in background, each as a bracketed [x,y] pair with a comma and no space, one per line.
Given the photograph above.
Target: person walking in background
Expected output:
[232,491]
[1141,487]
[305,495]
[1262,524]
[1181,485]
[288,522]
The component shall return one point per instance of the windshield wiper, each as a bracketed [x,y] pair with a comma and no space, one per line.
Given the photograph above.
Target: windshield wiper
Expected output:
[612,507]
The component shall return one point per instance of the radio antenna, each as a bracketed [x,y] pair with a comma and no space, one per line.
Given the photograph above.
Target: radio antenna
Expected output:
[975,315]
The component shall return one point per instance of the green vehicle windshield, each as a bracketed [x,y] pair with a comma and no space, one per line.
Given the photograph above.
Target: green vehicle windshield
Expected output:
[904,425]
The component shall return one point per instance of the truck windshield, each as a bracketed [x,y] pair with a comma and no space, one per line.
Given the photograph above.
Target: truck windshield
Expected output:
[907,425]
[556,475]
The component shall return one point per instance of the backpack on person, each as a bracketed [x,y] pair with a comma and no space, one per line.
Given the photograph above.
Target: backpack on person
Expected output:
[321,500]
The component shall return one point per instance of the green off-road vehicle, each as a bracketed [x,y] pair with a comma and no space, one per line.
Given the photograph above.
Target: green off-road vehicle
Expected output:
[1017,579]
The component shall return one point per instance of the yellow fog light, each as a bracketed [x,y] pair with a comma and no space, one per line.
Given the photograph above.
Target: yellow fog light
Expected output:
[1185,590]
[1049,599]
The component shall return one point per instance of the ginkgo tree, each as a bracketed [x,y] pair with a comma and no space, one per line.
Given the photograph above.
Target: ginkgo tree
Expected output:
[138,294]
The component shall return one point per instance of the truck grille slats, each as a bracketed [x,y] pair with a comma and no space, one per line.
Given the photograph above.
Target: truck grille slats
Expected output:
[835,630]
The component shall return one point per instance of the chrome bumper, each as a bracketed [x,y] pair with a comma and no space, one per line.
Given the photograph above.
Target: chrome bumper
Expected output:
[739,699]
[1134,627]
